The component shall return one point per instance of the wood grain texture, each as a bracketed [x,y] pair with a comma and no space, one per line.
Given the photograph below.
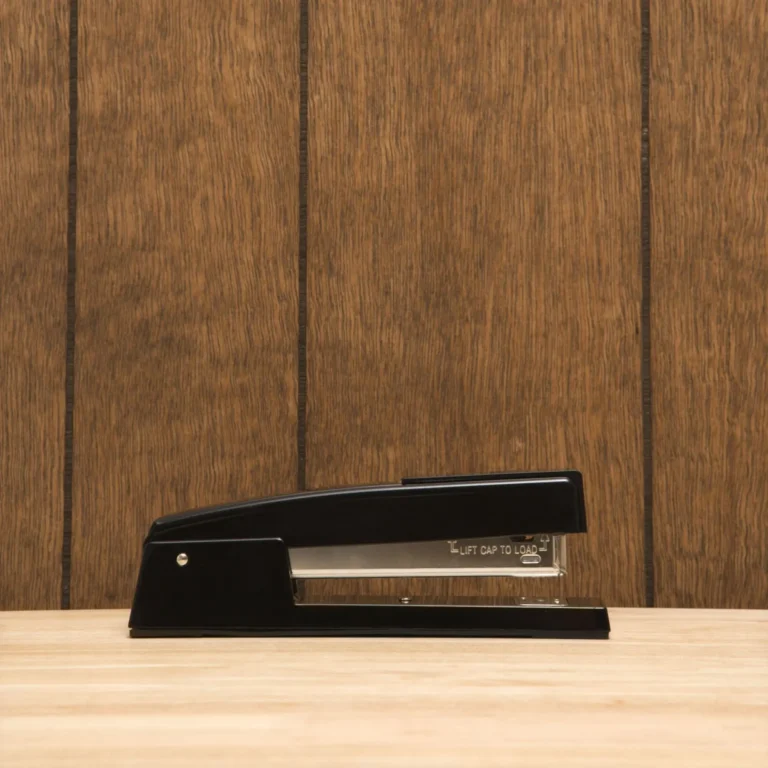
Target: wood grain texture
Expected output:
[669,688]
[187,241]
[33,284]
[709,154]
[474,279]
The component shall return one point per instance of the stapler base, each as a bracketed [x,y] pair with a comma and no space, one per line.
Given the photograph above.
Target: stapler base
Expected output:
[243,587]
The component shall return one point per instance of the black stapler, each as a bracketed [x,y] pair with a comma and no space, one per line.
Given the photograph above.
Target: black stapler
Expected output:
[238,569]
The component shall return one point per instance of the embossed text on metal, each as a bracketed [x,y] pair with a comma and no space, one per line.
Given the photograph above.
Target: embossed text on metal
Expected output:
[539,556]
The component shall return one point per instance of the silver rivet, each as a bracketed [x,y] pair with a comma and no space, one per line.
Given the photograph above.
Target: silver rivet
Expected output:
[405,600]
[182,559]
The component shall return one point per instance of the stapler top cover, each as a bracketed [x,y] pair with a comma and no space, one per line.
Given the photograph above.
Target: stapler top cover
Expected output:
[417,509]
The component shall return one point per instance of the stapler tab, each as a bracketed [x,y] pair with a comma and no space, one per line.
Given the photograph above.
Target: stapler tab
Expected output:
[239,569]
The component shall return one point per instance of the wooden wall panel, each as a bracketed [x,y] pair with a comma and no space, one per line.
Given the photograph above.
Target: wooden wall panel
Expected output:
[34,135]
[186,278]
[709,155]
[473,266]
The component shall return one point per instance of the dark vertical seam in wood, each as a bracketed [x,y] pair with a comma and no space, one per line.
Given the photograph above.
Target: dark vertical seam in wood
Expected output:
[303,184]
[66,545]
[645,170]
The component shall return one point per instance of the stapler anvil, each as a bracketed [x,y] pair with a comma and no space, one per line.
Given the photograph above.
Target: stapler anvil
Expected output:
[239,569]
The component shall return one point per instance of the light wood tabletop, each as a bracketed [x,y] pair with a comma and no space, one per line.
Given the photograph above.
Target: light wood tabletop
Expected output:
[670,688]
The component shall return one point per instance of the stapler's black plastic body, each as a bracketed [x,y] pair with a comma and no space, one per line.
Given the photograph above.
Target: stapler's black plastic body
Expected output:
[226,570]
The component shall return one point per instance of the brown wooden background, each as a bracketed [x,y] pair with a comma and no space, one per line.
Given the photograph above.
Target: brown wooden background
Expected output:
[250,246]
